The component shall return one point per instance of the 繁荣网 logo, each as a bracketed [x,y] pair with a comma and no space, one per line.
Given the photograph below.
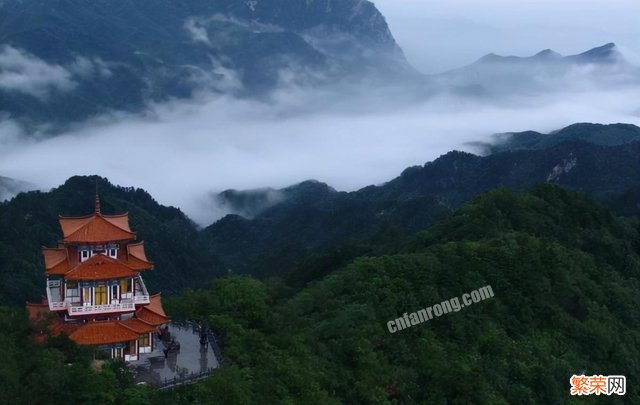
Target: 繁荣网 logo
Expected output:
[598,384]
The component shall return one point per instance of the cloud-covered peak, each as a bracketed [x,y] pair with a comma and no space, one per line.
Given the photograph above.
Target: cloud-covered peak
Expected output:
[496,76]
[607,53]
[547,54]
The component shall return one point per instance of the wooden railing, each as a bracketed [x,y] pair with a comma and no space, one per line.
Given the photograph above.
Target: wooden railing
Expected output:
[74,308]
[141,299]
[92,309]
[185,379]
[57,306]
[54,305]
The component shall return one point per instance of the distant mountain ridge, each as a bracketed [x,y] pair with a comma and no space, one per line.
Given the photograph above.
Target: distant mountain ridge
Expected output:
[423,194]
[250,203]
[607,53]
[545,72]
[597,134]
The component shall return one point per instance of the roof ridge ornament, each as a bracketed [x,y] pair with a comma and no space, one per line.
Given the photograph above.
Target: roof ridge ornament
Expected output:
[97,203]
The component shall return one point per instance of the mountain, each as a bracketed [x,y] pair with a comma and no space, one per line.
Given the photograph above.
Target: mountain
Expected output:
[30,221]
[604,54]
[560,276]
[416,199]
[545,72]
[607,53]
[249,203]
[563,273]
[71,59]
[597,134]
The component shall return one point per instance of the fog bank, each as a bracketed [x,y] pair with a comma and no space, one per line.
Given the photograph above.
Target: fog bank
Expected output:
[181,151]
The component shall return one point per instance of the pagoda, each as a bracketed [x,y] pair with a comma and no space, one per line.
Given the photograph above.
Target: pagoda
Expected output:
[95,292]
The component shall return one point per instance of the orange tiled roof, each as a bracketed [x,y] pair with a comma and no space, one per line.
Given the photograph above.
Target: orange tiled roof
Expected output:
[56,261]
[53,256]
[138,326]
[103,333]
[59,269]
[151,317]
[136,258]
[155,304]
[100,267]
[153,313]
[37,311]
[146,319]
[121,220]
[96,228]
[53,267]
[59,326]
[41,317]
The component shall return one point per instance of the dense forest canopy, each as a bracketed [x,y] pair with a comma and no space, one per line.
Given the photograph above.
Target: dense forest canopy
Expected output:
[564,271]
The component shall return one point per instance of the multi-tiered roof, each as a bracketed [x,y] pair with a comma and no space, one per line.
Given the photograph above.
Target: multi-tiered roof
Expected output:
[95,292]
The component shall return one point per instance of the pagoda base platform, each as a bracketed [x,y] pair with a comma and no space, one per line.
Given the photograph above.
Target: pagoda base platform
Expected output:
[165,366]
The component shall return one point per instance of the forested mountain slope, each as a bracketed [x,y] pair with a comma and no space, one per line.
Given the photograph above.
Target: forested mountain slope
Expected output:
[30,221]
[321,218]
[564,272]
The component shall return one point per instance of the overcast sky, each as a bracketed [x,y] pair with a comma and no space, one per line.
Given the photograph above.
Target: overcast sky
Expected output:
[439,35]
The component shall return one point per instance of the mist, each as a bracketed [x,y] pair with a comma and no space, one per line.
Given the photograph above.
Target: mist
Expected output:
[182,151]
[346,136]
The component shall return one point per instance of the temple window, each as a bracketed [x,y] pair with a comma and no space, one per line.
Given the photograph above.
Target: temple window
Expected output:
[86,297]
[72,293]
[125,288]
[101,295]
[114,293]
[84,255]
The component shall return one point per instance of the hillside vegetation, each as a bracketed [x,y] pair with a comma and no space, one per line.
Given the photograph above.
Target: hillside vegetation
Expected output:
[565,276]
[563,269]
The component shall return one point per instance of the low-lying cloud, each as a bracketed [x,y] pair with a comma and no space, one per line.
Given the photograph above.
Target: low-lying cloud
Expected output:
[348,138]
[24,73]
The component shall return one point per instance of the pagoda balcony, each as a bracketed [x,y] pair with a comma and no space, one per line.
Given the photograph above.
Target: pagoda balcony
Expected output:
[141,299]
[74,306]
[123,306]
[53,296]
[57,306]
